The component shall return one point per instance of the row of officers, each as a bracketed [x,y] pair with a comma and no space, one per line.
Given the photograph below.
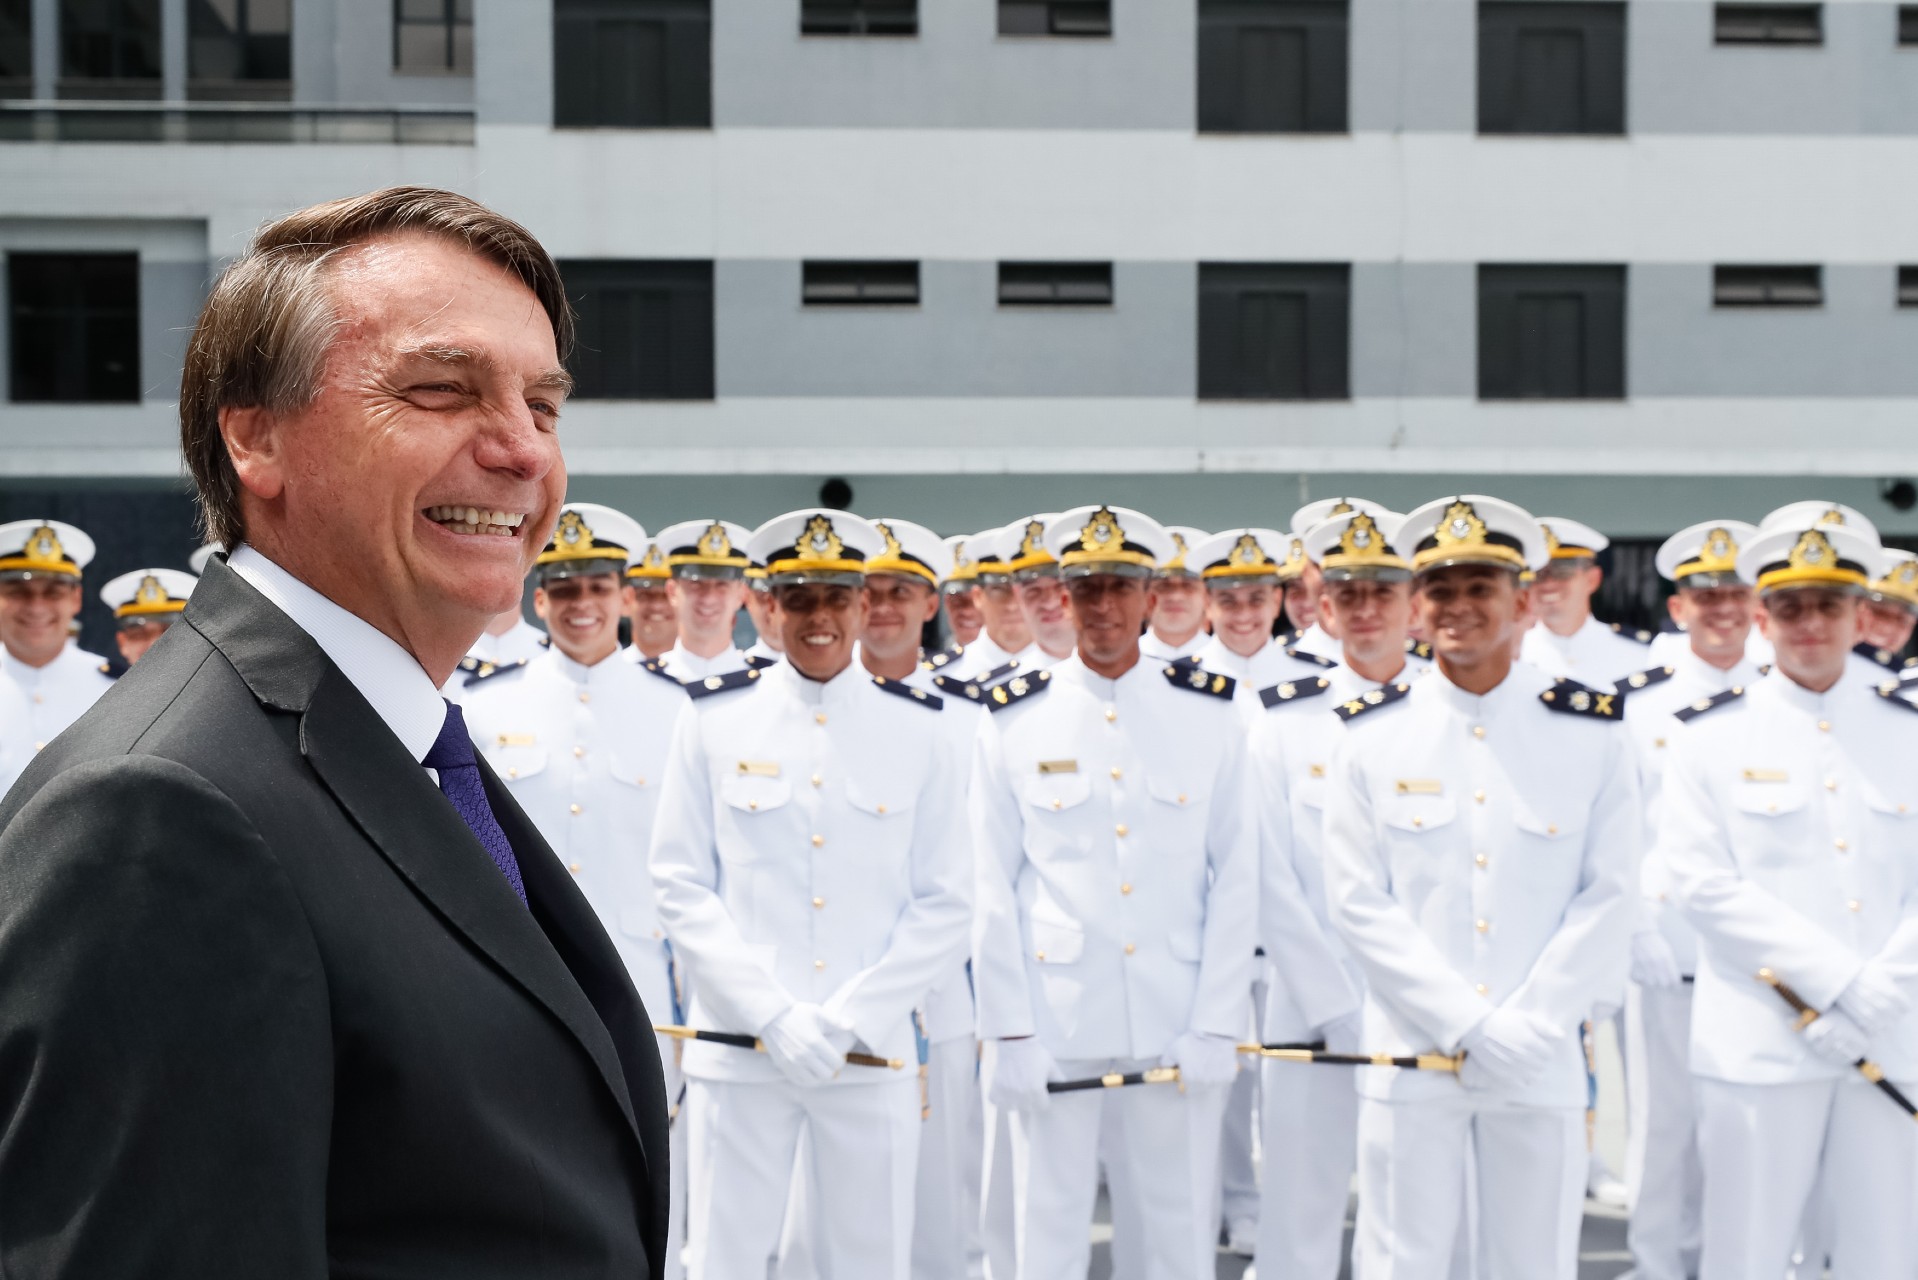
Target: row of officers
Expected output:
[942,937]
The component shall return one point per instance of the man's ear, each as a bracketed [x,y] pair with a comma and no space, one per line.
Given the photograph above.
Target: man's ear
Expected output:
[253,442]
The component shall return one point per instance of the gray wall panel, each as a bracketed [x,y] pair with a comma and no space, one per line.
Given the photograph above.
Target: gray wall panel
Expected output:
[170,298]
[513,61]
[958,341]
[1413,65]
[1413,329]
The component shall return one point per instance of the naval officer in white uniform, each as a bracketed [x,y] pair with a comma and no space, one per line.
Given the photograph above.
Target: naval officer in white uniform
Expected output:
[1041,593]
[1176,627]
[1116,859]
[46,680]
[579,737]
[1787,832]
[707,560]
[1568,641]
[1240,570]
[810,863]
[145,603]
[993,653]
[1482,838]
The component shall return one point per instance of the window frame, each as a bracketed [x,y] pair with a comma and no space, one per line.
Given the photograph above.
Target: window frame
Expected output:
[1907,286]
[859,282]
[1053,11]
[689,286]
[1596,285]
[687,103]
[1055,283]
[1322,24]
[59,320]
[1325,354]
[859,24]
[1765,34]
[451,22]
[1742,286]
[1603,27]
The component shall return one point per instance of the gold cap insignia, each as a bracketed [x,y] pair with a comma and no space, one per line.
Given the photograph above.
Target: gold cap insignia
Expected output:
[1721,553]
[149,591]
[1551,538]
[819,542]
[1178,551]
[893,550]
[1247,551]
[1834,516]
[1460,527]
[1361,537]
[573,532]
[714,541]
[1813,551]
[44,544]
[1034,541]
[654,558]
[1099,533]
[959,558]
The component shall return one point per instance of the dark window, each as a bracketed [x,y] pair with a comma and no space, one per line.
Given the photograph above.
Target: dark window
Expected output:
[1268,67]
[645,329]
[1551,333]
[1768,286]
[75,321]
[1768,24]
[1908,24]
[859,17]
[240,49]
[1071,284]
[109,48]
[861,283]
[1551,67]
[633,64]
[433,36]
[1908,286]
[1274,331]
[1055,17]
[16,48]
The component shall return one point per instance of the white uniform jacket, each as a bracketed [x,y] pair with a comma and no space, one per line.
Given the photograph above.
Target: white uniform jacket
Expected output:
[981,657]
[1595,655]
[1651,699]
[1790,829]
[36,703]
[811,847]
[583,750]
[520,643]
[686,667]
[1272,665]
[1483,851]
[1117,861]
[1316,640]
[1154,649]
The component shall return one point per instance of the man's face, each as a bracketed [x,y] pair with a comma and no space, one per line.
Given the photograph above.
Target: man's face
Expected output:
[581,614]
[962,611]
[1717,619]
[426,475]
[1562,591]
[1178,607]
[1813,630]
[759,607]
[819,623]
[1108,613]
[36,617]
[1302,597]
[999,606]
[1242,613]
[897,607]
[1884,626]
[706,607]
[1371,617]
[655,624]
[1042,603]
[1471,612]
[135,640]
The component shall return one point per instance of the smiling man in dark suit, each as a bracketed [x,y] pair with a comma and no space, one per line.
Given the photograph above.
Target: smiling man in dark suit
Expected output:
[291,986]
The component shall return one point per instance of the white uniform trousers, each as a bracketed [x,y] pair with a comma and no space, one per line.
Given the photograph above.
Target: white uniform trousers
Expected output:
[1661,1146]
[946,1213]
[997,1207]
[1412,1172]
[1169,1141]
[864,1143]
[1310,1122]
[1238,1166]
[1764,1148]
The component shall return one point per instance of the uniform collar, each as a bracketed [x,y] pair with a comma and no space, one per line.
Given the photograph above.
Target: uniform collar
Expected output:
[1523,682]
[817,693]
[387,676]
[1075,669]
[1698,673]
[70,658]
[579,672]
[1782,688]
[697,668]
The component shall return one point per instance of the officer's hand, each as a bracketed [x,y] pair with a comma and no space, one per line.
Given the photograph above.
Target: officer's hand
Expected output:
[1020,1076]
[1836,1038]
[806,1045]
[1341,1035]
[1203,1059]
[1510,1047]
[1872,1000]
[1654,963]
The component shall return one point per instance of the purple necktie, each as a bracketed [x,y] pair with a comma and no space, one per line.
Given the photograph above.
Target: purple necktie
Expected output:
[452,755]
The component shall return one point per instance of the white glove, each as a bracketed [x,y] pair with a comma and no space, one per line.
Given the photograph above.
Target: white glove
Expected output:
[1341,1035]
[806,1045]
[1019,1078]
[1654,963]
[1872,999]
[1509,1048]
[1203,1059]
[1836,1038]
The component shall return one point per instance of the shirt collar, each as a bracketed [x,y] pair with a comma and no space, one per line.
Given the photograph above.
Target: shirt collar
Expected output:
[1523,680]
[387,676]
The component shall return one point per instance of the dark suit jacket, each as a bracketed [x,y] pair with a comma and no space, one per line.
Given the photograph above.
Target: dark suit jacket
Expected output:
[268,1010]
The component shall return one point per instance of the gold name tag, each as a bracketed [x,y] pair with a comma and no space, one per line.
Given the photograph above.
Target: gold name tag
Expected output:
[1420,787]
[1318,771]
[518,739]
[1058,766]
[1766,775]
[759,768]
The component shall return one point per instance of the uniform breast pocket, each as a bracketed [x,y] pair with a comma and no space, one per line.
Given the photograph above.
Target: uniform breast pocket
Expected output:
[1057,814]
[630,771]
[1418,815]
[1770,822]
[883,818]
[754,805]
[1551,846]
[1891,819]
[514,761]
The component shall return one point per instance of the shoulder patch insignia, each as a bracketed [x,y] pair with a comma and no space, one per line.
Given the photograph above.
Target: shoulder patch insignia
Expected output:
[1312,658]
[1574,699]
[1286,639]
[1633,633]
[1001,696]
[720,684]
[106,669]
[1418,648]
[546,642]
[1293,691]
[900,689]
[997,674]
[953,687]
[469,664]
[651,666]
[1703,705]
[1648,677]
[945,657]
[1898,692]
[1196,679]
[487,670]
[755,661]
[1885,658]
[1372,700]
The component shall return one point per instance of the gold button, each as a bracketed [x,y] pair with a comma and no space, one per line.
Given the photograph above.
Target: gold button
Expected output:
[818,841]
[753,805]
[639,782]
[819,964]
[1481,859]
[1116,774]
[39,746]
[1125,888]
[1839,844]
[1121,830]
[1479,796]
[585,696]
[818,903]
[1182,797]
[573,867]
[817,780]
[1831,784]
[819,717]
[1482,989]
[1551,829]
[578,752]
[1039,955]
[1478,731]
[1483,926]
[1418,822]
[38,699]
[1056,804]
[1824,726]
[881,808]
[510,773]
[1771,808]
[1855,905]
[574,808]
[1129,948]
[1112,713]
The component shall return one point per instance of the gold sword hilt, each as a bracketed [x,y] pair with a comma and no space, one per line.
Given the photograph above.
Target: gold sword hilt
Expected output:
[1806,1014]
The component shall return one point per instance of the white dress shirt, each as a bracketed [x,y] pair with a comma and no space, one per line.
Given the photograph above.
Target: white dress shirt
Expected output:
[36,703]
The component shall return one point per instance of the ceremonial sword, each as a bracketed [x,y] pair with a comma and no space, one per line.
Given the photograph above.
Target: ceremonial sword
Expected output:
[1312,1053]
[1864,1066]
[738,1041]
